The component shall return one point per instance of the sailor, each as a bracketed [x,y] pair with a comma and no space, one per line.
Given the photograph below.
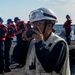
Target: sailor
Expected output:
[3,33]
[12,30]
[20,28]
[68,27]
[47,53]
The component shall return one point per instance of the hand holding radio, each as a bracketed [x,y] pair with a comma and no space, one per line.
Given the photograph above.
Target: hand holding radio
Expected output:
[30,32]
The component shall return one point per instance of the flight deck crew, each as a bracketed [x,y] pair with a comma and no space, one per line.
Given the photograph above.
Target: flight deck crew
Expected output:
[12,29]
[3,33]
[68,27]
[20,28]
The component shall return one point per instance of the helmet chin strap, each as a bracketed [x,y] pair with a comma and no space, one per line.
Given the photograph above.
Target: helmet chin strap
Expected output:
[45,24]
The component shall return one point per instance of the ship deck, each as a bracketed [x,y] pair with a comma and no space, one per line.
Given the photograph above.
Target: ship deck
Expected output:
[14,69]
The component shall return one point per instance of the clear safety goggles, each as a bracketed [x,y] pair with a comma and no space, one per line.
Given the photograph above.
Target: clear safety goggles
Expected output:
[36,14]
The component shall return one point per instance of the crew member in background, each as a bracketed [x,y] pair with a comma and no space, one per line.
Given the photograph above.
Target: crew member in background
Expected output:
[20,28]
[28,25]
[12,29]
[3,33]
[68,27]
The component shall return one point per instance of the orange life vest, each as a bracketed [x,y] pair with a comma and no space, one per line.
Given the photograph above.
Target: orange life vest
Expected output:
[5,30]
[13,29]
[67,24]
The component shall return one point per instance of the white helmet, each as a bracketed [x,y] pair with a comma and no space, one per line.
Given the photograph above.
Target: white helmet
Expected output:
[42,14]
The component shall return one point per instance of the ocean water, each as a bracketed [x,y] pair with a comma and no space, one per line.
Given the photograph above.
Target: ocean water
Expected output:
[58,28]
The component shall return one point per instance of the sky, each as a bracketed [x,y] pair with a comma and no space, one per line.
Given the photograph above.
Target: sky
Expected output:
[22,8]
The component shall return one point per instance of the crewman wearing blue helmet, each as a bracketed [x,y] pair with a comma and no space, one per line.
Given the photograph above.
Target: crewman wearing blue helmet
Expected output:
[20,27]
[3,33]
[12,29]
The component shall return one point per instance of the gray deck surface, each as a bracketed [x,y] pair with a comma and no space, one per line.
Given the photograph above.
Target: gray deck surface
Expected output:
[14,69]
